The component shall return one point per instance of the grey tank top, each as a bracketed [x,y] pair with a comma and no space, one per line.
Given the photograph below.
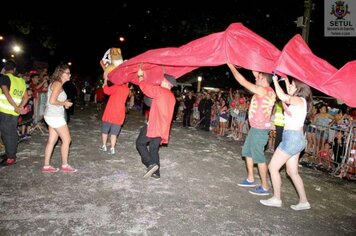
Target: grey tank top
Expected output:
[54,110]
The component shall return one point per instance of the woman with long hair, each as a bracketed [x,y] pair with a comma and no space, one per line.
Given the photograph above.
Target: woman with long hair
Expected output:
[54,116]
[297,104]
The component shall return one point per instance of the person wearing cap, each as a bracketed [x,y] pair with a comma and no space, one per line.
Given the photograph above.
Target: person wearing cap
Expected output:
[13,98]
[156,131]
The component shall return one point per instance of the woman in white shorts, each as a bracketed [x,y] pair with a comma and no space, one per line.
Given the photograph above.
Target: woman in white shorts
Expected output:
[54,116]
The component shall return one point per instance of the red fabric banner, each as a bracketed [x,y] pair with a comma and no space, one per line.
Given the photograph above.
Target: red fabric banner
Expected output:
[237,45]
[298,60]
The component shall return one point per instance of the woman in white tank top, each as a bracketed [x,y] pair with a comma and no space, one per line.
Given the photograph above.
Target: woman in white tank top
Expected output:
[54,117]
[297,104]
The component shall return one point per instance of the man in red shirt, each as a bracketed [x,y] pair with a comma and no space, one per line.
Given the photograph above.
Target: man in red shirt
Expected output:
[156,131]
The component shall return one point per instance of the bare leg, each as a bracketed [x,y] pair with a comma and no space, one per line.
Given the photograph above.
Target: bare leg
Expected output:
[279,158]
[292,171]
[262,168]
[64,134]
[52,140]
[104,138]
[113,140]
[249,165]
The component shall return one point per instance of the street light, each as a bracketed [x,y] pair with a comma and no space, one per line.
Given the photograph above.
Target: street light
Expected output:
[16,49]
[199,83]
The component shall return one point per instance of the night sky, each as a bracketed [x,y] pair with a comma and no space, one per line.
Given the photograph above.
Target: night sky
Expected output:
[83,35]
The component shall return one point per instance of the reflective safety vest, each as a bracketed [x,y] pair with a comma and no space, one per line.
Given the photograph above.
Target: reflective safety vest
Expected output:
[17,91]
[278,115]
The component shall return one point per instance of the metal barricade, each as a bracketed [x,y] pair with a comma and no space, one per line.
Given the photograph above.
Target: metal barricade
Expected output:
[342,144]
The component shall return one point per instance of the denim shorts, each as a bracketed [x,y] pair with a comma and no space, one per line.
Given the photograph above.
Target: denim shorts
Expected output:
[254,145]
[293,142]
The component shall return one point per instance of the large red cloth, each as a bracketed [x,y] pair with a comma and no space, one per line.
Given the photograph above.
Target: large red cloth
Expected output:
[161,111]
[298,60]
[242,47]
[237,45]
[342,84]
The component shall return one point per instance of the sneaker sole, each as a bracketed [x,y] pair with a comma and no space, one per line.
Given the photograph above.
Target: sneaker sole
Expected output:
[50,171]
[247,185]
[300,208]
[271,204]
[150,172]
[259,194]
[66,171]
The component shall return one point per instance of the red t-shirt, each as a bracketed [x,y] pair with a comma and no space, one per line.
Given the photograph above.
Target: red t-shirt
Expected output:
[115,109]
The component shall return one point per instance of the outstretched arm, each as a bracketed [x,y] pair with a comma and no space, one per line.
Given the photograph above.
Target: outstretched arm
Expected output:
[244,82]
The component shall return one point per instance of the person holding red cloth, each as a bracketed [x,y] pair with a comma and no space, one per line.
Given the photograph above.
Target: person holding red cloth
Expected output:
[156,131]
[114,113]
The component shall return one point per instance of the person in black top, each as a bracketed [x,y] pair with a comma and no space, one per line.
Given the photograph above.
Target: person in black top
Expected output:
[188,108]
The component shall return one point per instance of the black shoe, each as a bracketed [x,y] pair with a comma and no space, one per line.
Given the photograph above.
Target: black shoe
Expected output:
[155,176]
[150,170]
[3,161]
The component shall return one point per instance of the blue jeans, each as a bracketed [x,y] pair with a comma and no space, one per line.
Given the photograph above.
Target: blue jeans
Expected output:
[149,155]
[8,128]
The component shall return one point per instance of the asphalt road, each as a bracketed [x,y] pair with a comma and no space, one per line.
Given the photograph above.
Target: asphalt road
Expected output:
[196,195]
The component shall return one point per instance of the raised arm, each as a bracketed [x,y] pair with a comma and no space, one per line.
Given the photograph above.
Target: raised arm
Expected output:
[244,82]
[286,98]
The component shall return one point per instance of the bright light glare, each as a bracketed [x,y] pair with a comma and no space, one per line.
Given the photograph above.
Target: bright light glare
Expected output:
[17,48]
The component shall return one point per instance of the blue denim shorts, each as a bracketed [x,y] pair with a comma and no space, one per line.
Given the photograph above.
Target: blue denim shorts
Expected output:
[293,142]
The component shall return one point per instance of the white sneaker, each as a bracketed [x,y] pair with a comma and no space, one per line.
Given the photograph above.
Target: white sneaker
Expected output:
[301,206]
[103,148]
[273,202]
[112,151]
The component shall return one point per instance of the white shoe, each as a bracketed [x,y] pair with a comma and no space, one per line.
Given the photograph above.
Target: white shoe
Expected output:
[273,202]
[103,148]
[112,151]
[301,206]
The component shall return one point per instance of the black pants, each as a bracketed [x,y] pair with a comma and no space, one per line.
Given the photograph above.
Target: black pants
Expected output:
[8,128]
[279,134]
[148,148]
[187,114]
[206,121]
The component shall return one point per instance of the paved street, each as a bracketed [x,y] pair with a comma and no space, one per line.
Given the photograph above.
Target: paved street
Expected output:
[196,195]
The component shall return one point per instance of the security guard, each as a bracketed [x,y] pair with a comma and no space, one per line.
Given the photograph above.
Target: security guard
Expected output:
[13,97]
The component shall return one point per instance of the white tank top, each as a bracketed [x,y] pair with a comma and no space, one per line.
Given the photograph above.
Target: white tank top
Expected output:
[54,110]
[295,116]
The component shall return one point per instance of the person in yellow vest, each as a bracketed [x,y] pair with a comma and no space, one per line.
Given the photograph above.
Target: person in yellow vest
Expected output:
[13,97]
[278,122]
